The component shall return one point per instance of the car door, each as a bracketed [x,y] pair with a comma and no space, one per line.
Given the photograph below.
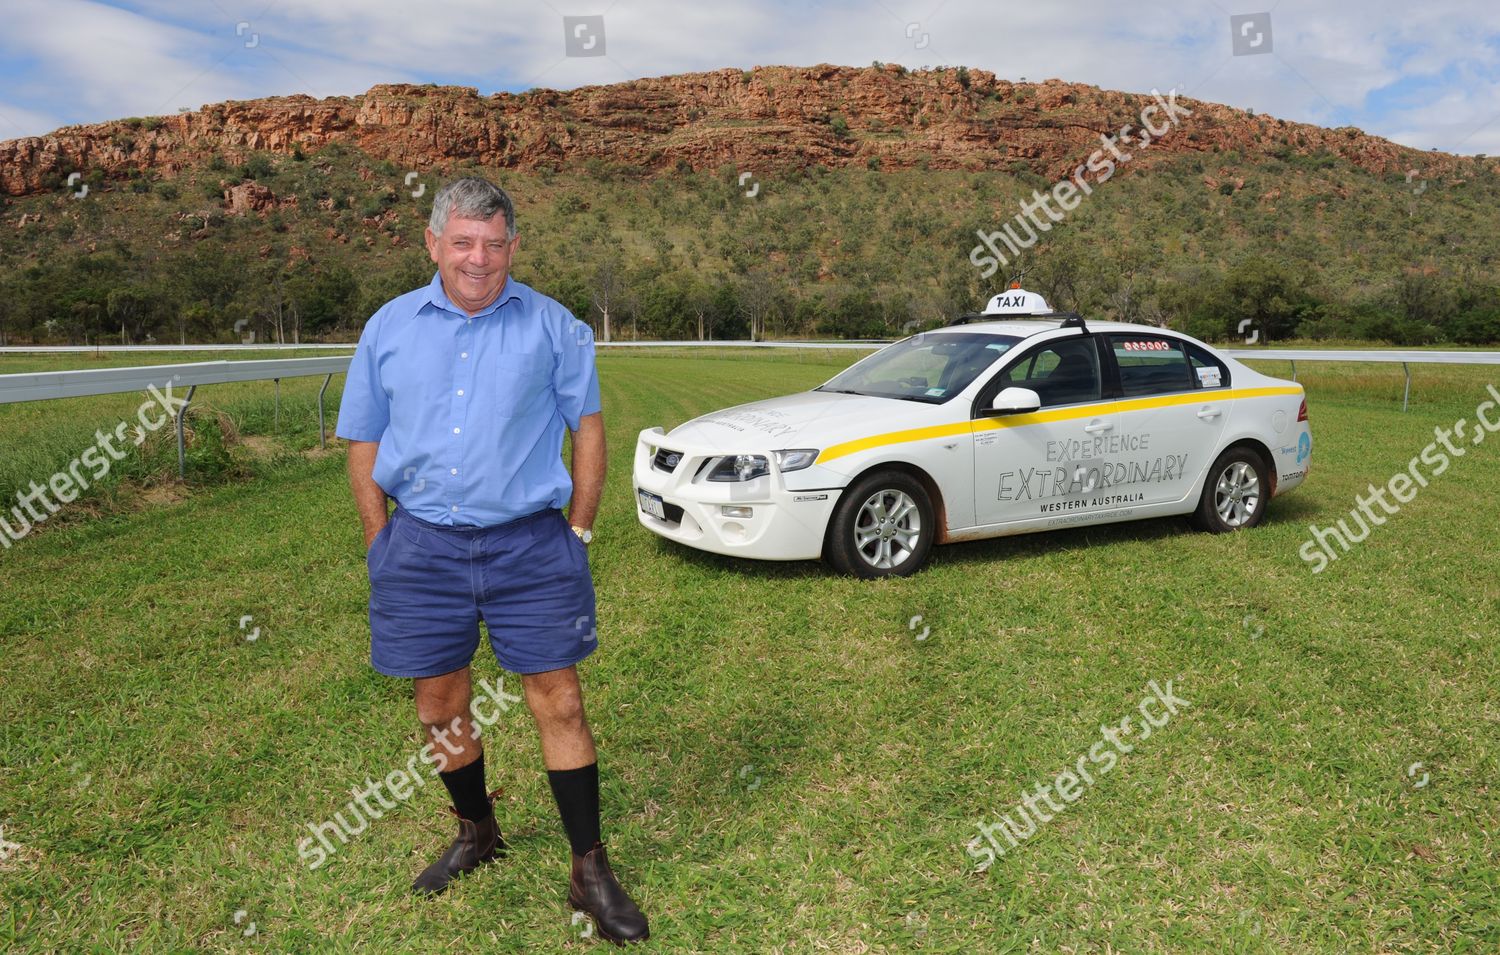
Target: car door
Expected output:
[1172,410]
[1031,466]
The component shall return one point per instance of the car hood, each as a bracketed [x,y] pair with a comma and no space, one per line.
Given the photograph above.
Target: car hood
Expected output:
[809,419]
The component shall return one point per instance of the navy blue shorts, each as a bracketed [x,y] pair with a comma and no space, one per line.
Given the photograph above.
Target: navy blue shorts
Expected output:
[430,585]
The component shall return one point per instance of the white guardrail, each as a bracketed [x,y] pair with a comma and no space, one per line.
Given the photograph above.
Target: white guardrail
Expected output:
[1405,358]
[46,385]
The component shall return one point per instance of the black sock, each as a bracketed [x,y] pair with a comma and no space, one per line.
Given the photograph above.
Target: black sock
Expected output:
[577,795]
[466,786]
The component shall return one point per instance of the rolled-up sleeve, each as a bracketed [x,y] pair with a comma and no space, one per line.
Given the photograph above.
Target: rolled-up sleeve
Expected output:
[365,411]
[574,378]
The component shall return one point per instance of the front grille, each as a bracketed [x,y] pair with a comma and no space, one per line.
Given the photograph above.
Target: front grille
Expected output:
[666,460]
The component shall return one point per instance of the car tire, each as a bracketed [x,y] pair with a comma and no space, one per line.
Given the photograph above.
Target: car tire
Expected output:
[884,526]
[1235,494]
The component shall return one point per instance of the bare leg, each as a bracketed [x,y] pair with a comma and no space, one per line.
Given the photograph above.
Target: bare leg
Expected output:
[443,708]
[556,703]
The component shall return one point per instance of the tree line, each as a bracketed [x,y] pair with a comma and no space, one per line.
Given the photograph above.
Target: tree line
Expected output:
[209,296]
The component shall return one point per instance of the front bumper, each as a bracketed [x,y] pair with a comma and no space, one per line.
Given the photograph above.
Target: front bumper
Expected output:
[771,522]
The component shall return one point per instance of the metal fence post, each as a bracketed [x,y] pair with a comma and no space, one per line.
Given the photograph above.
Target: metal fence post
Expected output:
[278,404]
[322,432]
[1406,397]
[181,451]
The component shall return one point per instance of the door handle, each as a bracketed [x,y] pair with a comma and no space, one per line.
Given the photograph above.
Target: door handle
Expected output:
[1208,411]
[1096,426]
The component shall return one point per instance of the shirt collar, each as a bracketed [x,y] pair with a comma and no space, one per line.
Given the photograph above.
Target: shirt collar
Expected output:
[439,299]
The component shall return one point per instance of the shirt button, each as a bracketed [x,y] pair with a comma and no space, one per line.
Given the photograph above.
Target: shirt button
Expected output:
[453,471]
[460,392]
[457,430]
[463,354]
[455,507]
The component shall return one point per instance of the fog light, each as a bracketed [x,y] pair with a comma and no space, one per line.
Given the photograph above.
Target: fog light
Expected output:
[736,510]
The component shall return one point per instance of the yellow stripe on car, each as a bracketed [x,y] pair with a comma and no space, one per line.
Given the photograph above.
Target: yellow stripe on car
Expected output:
[1043,417]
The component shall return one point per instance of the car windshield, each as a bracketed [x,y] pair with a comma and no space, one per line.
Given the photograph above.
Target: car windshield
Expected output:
[928,367]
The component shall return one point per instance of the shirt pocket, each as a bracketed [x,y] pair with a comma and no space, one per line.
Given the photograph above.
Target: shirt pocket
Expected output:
[521,383]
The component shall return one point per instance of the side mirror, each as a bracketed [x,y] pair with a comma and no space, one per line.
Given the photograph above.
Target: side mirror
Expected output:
[1016,401]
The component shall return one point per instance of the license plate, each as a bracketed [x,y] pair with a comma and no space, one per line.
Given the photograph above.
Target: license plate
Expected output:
[652,504]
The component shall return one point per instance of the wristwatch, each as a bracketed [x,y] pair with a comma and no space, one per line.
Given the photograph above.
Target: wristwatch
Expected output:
[584,534]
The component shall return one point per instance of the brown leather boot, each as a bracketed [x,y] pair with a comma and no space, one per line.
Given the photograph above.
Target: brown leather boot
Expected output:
[477,843]
[594,889]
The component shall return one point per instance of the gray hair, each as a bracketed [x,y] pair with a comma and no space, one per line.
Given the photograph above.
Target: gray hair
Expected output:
[472,198]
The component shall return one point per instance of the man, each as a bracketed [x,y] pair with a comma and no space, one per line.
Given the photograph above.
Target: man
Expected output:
[455,406]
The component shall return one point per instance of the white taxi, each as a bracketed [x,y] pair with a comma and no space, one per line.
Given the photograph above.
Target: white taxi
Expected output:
[1019,419]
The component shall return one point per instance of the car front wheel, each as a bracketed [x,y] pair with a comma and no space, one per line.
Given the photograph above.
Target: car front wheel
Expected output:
[1235,494]
[884,526]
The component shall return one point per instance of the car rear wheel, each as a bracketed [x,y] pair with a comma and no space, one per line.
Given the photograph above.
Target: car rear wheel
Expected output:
[884,526]
[1235,494]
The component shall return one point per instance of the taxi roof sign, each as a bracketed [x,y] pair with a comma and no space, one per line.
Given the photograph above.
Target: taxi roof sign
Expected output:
[1017,301]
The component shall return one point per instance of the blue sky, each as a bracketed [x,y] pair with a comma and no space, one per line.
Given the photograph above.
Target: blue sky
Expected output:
[1426,75]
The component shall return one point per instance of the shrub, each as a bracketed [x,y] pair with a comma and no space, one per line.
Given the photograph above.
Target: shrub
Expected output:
[257,167]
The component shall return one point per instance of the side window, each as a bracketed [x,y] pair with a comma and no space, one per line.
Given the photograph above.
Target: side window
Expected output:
[1208,370]
[1151,366]
[1061,373]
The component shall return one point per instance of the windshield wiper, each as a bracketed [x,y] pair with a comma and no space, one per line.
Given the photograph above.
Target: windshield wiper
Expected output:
[876,394]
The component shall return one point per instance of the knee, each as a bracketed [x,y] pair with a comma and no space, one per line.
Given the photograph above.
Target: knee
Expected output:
[558,706]
[440,710]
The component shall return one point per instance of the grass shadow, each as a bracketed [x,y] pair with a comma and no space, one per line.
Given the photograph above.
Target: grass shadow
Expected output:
[707,561]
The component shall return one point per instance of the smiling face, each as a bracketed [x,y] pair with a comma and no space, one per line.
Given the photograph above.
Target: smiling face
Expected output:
[473,258]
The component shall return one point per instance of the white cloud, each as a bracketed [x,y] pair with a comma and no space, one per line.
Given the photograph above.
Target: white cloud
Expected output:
[100,62]
[17,121]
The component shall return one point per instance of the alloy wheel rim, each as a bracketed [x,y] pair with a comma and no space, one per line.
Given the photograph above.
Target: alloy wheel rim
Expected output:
[887,528]
[1237,494]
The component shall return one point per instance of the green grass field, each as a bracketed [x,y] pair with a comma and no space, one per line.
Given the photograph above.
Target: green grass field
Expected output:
[787,768]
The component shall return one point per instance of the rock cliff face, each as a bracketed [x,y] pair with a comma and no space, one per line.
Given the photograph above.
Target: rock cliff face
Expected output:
[763,119]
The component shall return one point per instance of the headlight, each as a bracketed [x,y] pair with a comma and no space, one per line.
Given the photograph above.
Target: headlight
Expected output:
[748,467]
[740,467]
[796,460]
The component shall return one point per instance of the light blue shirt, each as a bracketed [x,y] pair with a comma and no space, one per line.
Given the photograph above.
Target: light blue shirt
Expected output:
[470,412]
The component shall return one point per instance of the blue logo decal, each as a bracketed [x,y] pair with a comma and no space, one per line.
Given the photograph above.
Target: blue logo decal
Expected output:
[1304,447]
